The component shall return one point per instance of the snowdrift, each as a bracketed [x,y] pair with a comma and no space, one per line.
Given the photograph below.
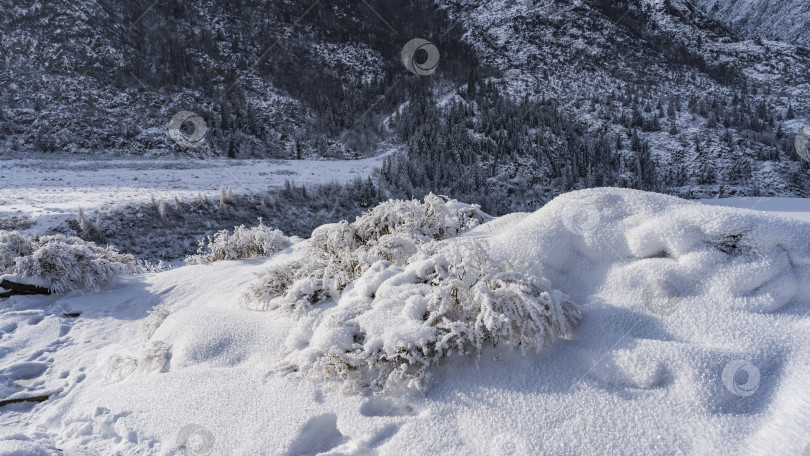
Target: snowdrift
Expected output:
[694,339]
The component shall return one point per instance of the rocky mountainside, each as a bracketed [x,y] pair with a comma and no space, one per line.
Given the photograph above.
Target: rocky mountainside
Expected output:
[785,20]
[275,79]
[530,98]
[717,114]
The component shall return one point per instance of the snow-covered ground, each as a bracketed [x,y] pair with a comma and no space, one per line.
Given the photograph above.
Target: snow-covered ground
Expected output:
[695,339]
[51,190]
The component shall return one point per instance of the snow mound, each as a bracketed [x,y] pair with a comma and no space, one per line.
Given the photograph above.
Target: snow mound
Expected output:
[59,262]
[259,241]
[666,250]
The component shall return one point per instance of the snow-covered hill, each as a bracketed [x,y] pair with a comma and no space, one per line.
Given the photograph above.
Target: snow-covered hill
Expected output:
[694,339]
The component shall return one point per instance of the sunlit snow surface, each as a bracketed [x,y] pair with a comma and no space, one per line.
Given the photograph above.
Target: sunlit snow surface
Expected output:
[695,340]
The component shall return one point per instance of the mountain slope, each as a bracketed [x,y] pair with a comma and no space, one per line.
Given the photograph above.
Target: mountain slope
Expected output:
[785,20]
[530,99]
[664,71]
[270,79]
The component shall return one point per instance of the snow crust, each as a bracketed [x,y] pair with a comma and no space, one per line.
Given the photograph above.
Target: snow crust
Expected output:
[694,339]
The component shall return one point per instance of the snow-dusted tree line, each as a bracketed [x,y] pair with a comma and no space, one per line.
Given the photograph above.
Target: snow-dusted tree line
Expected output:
[516,154]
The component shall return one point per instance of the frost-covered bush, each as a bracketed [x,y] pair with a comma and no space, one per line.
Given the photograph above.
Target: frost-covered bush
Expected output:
[339,253]
[61,263]
[13,245]
[399,321]
[434,219]
[242,243]
[408,296]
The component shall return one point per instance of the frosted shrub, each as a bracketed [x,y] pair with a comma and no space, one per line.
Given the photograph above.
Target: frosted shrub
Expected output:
[393,248]
[13,245]
[399,321]
[244,242]
[475,299]
[333,257]
[63,263]
[408,296]
[285,286]
[339,253]
[434,219]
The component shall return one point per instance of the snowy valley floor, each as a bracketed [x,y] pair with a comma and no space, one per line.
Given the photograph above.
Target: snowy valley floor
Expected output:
[51,189]
[695,339]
